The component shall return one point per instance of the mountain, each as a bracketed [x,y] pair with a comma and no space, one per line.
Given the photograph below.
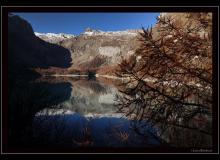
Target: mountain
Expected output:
[92,50]
[53,37]
[95,49]
[25,50]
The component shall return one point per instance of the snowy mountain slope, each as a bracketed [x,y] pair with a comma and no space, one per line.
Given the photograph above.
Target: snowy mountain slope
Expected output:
[91,32]
[53,37]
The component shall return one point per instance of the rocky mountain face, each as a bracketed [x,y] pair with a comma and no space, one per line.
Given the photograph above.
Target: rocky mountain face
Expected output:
[25,50]
[97,50]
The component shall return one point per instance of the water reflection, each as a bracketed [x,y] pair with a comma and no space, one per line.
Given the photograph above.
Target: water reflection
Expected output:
[87,118]
[25,100]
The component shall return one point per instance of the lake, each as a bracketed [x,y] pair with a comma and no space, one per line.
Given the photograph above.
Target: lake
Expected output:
[85,115]
[73,112]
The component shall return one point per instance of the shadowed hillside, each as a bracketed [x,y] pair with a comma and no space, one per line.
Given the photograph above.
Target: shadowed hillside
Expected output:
[28,51]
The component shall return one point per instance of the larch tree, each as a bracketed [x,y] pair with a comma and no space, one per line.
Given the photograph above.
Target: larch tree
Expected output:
[168,81]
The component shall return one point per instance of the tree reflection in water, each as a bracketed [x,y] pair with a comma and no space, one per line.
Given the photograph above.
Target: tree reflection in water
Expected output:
[87,119]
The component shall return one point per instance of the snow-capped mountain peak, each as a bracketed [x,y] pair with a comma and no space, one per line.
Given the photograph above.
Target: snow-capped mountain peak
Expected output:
[53,37]
[91,32]
[59,35]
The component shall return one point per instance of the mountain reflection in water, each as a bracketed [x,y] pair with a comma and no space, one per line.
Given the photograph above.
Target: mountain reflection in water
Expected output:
[88,118]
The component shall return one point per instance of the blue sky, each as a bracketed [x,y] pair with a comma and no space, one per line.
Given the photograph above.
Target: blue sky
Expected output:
[76,23]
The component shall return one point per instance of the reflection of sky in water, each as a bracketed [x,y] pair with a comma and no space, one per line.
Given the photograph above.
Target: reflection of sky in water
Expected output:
[89,109]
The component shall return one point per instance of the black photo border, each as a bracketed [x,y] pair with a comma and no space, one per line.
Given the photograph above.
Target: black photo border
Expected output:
[6,149]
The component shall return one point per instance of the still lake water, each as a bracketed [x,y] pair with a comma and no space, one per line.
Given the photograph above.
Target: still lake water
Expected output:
[85,115]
